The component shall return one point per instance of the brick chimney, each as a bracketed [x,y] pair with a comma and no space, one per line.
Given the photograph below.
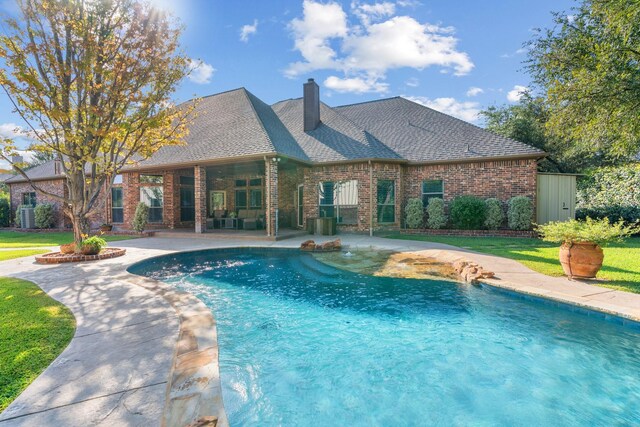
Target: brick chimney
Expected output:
[17,159]
[311,98]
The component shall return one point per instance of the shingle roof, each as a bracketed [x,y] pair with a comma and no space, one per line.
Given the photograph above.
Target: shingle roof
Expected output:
[5,177]
[335,139]
[40,172]
[421,134]
[227,125]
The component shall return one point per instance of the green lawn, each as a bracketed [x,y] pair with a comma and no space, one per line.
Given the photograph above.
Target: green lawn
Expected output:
[621,268]
[19,253]
[34,329]
[17,239]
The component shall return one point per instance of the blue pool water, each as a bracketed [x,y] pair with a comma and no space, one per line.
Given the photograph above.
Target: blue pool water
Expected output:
[304,344]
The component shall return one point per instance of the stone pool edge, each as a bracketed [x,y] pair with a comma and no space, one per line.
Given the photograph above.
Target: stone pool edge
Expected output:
[194,391]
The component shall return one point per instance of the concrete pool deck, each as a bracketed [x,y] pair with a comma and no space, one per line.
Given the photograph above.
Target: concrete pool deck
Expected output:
[143,354]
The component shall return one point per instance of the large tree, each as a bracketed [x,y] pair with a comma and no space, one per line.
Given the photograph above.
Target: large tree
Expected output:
[92,79]
[588,66]
[527,121]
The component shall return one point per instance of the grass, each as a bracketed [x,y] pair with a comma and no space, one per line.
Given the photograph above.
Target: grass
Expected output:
[34,329]
[621,269]
[17,239]
[19,253]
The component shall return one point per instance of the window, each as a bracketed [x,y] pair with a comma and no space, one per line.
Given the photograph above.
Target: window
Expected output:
[255,199]
[218,200]
[117,206]
[241,199]
[117,179]
[255,182]
[187,180]
[151,179]
[340,200]
[386,201]
[152,196]
[241,182]
[29,198]
[187,204]
[432,189]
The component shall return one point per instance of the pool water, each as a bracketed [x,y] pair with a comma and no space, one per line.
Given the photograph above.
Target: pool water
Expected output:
[304,344]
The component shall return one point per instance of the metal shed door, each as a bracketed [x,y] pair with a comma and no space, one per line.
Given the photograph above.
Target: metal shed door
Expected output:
[556,197]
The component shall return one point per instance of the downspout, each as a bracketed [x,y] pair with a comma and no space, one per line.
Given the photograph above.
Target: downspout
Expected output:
[370,200]
[267,174]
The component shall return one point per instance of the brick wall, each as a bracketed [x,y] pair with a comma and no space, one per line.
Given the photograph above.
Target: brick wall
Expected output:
[55,186]
[500,179]
[288,180]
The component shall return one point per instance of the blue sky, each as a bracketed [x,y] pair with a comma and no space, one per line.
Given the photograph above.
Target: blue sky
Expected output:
[456,56]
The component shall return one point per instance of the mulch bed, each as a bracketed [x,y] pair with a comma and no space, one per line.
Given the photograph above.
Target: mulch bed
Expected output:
[60,258]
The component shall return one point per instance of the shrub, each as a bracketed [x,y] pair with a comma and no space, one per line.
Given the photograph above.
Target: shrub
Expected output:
[5,212]
[414,213]
[97,243]
[141,217]
[599,231]
[494,214]
[44,215]
[435,209]
[467,212]
[17,219]
[615,213]
[520,213]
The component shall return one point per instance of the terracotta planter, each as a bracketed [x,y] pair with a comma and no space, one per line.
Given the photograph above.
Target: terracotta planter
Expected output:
[90,250]
[106,228]
[69,248]
[582,260]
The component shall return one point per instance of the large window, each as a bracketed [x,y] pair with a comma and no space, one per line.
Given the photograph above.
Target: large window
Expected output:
[241,199]
[248,193]
[29,198]
[151,179]
[432,189]
[340,200]
[117,205]
[255,198]
[386,201]
[152,196]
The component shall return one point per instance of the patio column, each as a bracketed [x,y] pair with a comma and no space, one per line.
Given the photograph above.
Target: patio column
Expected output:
[200,193]
[271,183]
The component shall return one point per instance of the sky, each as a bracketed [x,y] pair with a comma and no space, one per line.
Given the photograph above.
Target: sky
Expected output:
[456,56]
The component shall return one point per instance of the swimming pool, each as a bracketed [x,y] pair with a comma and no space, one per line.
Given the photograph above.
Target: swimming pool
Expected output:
[304,344]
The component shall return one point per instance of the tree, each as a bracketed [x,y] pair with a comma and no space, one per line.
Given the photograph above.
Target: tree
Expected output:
[588,66]
[92,79]
[527,122]
[39,158]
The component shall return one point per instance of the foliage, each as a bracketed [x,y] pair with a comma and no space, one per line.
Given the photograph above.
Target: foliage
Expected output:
[467,212]
[35,329]
[588,65]
[141,217]
[96,242]
[494,214]
[414,213]
[599,231]
[19,239]
[44,215]
[93,90]
[520,213]
[621,269]
[526,122]
[436,217]
[628,214]
[40,157]
[5,211]
[17,219]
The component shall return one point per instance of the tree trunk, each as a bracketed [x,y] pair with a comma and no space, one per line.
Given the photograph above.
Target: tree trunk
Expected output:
[80,229]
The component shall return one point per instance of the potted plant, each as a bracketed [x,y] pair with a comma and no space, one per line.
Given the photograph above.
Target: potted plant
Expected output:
[581,252]
[106,227]
[92,245]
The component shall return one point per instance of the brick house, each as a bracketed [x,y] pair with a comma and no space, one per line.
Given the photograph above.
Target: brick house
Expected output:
[275,166]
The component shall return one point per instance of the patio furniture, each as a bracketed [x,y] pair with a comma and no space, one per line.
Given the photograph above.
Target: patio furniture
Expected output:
[326,226]
[229,223]
[218,216]
[250,219]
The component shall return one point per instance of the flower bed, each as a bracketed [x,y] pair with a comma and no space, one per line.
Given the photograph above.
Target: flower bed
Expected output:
[60,258]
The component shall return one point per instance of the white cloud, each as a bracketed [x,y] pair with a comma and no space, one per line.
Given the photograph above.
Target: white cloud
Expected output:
[515,94]
[11,130]
[464,110]
[248,30]
[355,85]
[326,41]
[412,82]
[201,72]
[474,91]
[372,12]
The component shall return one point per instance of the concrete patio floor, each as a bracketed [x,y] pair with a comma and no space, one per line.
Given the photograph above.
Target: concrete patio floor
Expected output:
[117,367]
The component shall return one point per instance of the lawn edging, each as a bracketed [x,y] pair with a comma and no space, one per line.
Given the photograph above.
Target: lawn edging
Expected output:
[60,258]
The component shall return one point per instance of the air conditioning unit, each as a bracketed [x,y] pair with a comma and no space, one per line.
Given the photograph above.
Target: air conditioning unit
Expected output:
[27,218]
